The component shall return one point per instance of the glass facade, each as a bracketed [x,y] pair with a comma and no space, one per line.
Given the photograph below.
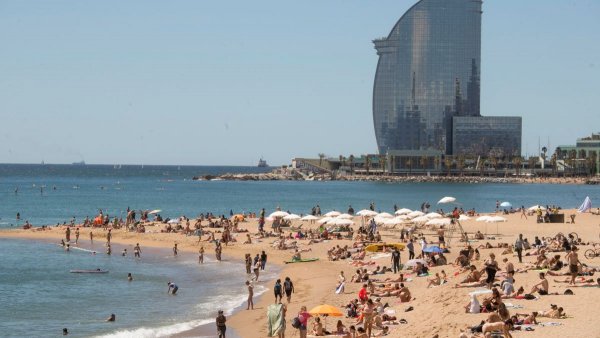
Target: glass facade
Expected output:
[428,71]
[486,135]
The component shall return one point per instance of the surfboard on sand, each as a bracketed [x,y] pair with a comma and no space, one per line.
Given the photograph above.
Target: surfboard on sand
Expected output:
[304,260]
[379,247]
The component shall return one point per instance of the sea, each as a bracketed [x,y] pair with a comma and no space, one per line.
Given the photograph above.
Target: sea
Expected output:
[39,296]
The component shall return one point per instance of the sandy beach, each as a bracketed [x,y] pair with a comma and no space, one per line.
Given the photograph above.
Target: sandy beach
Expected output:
[436,311]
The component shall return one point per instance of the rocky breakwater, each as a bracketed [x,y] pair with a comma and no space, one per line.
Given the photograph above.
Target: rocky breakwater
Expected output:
[250,177]
[433,179]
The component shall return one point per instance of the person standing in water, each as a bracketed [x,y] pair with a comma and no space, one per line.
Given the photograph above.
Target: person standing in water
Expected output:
[137,250]
[76,236]
[129,277]
[250,295]
[68,234]
[108,250]
[201,255]
[91,237]
[108,236]
[172,288]
[175,250]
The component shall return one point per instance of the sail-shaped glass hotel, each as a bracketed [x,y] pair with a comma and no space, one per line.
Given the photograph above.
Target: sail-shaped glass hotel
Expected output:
[427,75]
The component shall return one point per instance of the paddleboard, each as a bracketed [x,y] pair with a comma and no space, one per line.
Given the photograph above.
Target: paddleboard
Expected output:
[88,271]
[304,260]
[379,247]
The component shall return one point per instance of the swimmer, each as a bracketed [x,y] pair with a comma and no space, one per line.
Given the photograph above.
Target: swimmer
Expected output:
[112,318]
[124,253]
[129,277]
[172,288]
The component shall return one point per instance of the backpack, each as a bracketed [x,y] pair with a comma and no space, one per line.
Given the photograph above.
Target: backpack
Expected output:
[296,323]
[277,288]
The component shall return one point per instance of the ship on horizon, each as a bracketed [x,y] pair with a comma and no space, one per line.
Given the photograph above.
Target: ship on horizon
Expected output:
[262,163]
[78,163]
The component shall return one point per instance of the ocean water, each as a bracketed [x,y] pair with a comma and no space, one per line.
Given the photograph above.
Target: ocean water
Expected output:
[55,193]
[40,297]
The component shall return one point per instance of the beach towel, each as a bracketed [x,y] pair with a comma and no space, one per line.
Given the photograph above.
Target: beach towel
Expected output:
[550,324]
[275,321]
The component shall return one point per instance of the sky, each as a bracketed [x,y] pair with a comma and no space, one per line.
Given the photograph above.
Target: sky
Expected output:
[226,82]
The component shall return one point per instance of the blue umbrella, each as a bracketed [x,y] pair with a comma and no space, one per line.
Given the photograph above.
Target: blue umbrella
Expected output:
[434,249]
[506,205]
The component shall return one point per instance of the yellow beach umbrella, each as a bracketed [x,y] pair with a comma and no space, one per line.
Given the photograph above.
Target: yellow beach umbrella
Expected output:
[326,310]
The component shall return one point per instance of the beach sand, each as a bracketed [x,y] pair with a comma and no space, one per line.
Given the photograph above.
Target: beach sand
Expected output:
[438,310]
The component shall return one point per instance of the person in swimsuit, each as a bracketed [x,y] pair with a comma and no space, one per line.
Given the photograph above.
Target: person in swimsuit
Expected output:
[573,260]
[277,290]
[288,287]
[491,266]
[250,295]
[172,288]
[221,327]
[201,255]
[137,250]
[129,277]
[175,250]
[542,286]
[112,318]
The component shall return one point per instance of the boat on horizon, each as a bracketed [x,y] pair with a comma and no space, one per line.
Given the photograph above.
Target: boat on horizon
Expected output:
[262,163]
[78,163]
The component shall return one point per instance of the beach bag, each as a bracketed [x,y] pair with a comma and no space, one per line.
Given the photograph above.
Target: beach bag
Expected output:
[296,323]
[529,296]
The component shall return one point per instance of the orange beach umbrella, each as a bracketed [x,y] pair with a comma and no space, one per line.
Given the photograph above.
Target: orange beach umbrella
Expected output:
[326,310]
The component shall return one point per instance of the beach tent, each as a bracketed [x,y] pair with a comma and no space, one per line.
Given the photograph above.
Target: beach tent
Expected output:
[586,205]
[433,215]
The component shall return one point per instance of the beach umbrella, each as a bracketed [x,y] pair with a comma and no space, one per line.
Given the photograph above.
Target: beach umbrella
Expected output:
[483,218]
[414,262]
[385,215]
[380,220]
[434,249]
[432,215]
[173,221]
[366,212]
[324,220]
[439,221]
[345,216]
[326,310]
[278,214]
[535,207]
[415,213]
[291,217]
[393,221]
[446,200]
[506,205]
[332,214]
[464,218]
[309,218]
[341,221]
[403,211]
[420,220]
[155,211]
[496,219]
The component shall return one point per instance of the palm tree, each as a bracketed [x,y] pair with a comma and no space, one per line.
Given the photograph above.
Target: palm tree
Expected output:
[531,162]
[517,162]
[494,164]
[461,164]
[594,159]
[382,162]
[321,157]
[553,161]
[572,156]
[436,162]
[367,163]
[448,164]
[481,165]
[351,159]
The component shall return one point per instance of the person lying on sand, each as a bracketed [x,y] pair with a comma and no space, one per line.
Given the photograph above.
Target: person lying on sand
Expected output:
[528,319]
[582,282]
[555,312]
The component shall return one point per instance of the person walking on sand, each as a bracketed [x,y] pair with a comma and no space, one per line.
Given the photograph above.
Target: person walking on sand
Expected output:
[519,247]
[303,316]
[396,260]
[108,236]
[277,290]
[263,260]
[288,288]
[137,250]
[250,295]
[201,255]
[411,249]
[523,212]
[221,327]
[257,269]
[573,260]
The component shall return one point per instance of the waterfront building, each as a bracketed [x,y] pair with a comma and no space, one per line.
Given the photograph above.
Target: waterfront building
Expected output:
[581,158]
[493,136]
[428,74]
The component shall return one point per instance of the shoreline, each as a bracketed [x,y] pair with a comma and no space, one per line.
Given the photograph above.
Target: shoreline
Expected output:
[315,281]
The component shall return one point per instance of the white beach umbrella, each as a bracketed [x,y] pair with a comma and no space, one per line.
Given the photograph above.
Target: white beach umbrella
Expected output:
[464,218]
[415,213]
[385,215]
[420,220]
[332,214]
[433,215]
[403,211]
[402,217]
[366,212]
[341,221]
[345,216]
[380,220]
[173,221]
[278,214]
[156,211]
[483,218]
[291,217]
[439,221]
[324,220]
[309,218]
[496,219]
[446,200]
[506,205]
[393,221]
[535,207]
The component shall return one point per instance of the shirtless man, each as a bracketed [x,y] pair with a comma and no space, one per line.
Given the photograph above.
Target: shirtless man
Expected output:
[503,327]
[201,255]
[137,250]
[404,294]
[541,287]
[508,266]
[573,260]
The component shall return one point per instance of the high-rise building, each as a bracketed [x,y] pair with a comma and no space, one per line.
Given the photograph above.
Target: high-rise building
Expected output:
[428,72]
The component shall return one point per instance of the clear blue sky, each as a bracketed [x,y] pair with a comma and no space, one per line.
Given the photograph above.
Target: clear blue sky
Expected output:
[224,82]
